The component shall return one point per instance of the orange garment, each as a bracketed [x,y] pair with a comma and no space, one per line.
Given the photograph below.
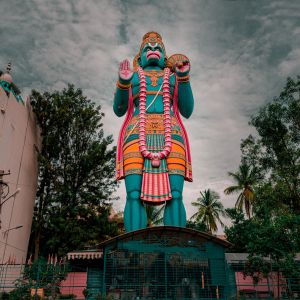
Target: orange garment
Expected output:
[133,162]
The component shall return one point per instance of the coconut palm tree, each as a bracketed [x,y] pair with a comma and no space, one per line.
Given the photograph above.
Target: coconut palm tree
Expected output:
[154,215]
[209,210]
[245,178]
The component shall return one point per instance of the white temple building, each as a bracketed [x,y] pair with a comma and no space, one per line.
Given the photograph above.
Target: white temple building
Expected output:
[19,146]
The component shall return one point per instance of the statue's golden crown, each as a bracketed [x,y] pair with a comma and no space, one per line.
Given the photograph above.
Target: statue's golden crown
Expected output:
[149,37]
[152,37]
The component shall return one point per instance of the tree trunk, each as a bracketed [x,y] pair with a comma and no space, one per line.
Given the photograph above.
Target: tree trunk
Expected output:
[37,244]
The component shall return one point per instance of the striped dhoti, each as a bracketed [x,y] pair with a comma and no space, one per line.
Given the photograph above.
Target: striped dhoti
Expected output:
[155,184]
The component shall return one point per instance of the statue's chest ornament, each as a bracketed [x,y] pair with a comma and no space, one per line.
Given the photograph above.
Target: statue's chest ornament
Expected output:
[155,157]
[154,76]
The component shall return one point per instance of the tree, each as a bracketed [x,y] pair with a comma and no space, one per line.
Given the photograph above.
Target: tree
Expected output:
[275,237]
[76,173]
[154,215]
[238,233]
[40,274]
[209,210]
[275,153]
[245,178]
[200,226]
[118,219]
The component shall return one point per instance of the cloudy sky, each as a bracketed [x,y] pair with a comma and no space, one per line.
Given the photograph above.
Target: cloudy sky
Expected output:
[241,53]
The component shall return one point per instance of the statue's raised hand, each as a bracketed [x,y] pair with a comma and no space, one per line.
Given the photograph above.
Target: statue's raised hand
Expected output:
[182,68]
[125,74]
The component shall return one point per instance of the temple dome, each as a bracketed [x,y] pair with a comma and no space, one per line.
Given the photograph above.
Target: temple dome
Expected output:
[6,77]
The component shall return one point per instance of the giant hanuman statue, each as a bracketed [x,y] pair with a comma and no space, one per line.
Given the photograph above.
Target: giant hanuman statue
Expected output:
[153,152]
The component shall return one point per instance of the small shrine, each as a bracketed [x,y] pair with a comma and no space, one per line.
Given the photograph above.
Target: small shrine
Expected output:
[162,262]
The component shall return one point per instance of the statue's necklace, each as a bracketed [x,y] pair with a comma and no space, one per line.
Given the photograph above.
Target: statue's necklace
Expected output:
[154,76]
[155,157]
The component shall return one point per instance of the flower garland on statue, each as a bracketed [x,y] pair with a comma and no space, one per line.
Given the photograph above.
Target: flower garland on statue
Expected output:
[155,157]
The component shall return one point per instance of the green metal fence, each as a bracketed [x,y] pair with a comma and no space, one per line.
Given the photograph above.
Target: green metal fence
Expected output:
[259,285]
[163,276]
[148,276]
[9,274]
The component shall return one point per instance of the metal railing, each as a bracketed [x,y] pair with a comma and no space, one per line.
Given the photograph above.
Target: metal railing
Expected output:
[145,278]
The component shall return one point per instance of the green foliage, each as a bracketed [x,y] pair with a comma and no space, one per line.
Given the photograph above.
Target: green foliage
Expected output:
[289,267]
[197,226]
[210,209]
[275,238]
[42,274]
[4,296]
[274,229]
[238,233]
[258,268]
[76,173]
[39,274]
[154,215]
[20,294]
[275,153]
[245,178]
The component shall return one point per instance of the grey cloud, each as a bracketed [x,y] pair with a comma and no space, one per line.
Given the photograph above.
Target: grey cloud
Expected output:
[240,51]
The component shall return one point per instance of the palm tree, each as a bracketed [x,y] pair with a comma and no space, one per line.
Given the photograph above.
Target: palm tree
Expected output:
[209,210]
[154,215]
[245,178]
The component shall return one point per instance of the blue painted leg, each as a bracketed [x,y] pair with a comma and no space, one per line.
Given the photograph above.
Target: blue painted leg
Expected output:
[134,214]
[175,214]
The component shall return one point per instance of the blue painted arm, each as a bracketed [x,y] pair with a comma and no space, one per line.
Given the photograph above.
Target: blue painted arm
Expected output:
[185,99]
[121,101]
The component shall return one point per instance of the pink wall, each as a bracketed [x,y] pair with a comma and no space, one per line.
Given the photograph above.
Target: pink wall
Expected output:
[247,283]
[75,283]
[19,141]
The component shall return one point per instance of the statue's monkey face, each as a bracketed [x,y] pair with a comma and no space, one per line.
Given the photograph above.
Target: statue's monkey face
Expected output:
[152,55]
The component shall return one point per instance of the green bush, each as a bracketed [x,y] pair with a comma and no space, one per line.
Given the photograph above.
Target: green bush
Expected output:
[4,296]
[20,293]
